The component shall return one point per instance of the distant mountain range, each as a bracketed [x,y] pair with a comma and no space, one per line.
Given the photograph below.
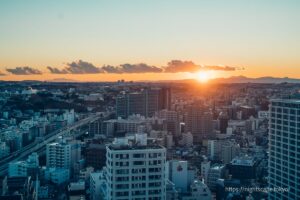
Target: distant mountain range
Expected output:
[58,80]
[233,79]
[267,79]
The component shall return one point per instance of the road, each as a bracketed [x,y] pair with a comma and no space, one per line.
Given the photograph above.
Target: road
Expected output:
[39,145]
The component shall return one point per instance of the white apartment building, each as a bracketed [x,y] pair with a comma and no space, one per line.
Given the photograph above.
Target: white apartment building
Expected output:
[135,169]
[58,155]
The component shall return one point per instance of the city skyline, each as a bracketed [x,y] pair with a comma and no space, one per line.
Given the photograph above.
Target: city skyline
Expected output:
[224,39]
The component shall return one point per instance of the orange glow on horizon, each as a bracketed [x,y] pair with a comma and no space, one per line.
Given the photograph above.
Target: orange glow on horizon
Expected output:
[204,76]
[200,76]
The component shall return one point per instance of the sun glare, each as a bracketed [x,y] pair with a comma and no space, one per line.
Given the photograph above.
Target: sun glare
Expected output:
[203,76]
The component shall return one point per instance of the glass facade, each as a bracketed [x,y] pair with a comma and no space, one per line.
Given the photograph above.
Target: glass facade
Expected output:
[284,148]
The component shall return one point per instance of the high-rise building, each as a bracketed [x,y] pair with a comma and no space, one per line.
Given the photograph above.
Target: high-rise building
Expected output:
[165,98]
[171,120]
[199,122]
[284,143]
[145,103]
[135,169]
[223,122]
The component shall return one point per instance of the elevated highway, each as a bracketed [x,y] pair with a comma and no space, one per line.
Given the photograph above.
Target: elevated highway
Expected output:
[39,145]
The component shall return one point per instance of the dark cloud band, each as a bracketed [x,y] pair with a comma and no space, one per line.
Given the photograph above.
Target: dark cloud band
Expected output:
[24,71]
[83,67]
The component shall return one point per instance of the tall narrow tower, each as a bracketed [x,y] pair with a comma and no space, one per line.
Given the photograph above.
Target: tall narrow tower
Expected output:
[284,148]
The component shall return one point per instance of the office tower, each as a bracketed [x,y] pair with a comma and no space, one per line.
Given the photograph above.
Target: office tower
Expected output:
[284,143]
[135,169]
[121,105]
[131,103]
[153,101]
[165,98]
[171,121]
[199,122]
[223,122]
[145,102]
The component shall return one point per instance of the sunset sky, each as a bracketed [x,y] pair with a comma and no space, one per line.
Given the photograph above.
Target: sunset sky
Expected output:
[148,40]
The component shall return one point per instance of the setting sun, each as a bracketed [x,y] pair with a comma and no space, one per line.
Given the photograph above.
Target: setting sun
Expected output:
[204,76]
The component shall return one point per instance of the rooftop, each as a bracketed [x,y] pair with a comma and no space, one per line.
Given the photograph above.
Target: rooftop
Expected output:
[134,142]
[245,161]
[134,147]
[297,101]
[217,166]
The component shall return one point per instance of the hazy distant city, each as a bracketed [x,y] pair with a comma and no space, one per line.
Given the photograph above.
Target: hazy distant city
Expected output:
[149,140]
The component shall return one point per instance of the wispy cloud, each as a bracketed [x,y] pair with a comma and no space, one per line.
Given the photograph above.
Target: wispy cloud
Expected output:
[2,74]
[23,71]
[221,68]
